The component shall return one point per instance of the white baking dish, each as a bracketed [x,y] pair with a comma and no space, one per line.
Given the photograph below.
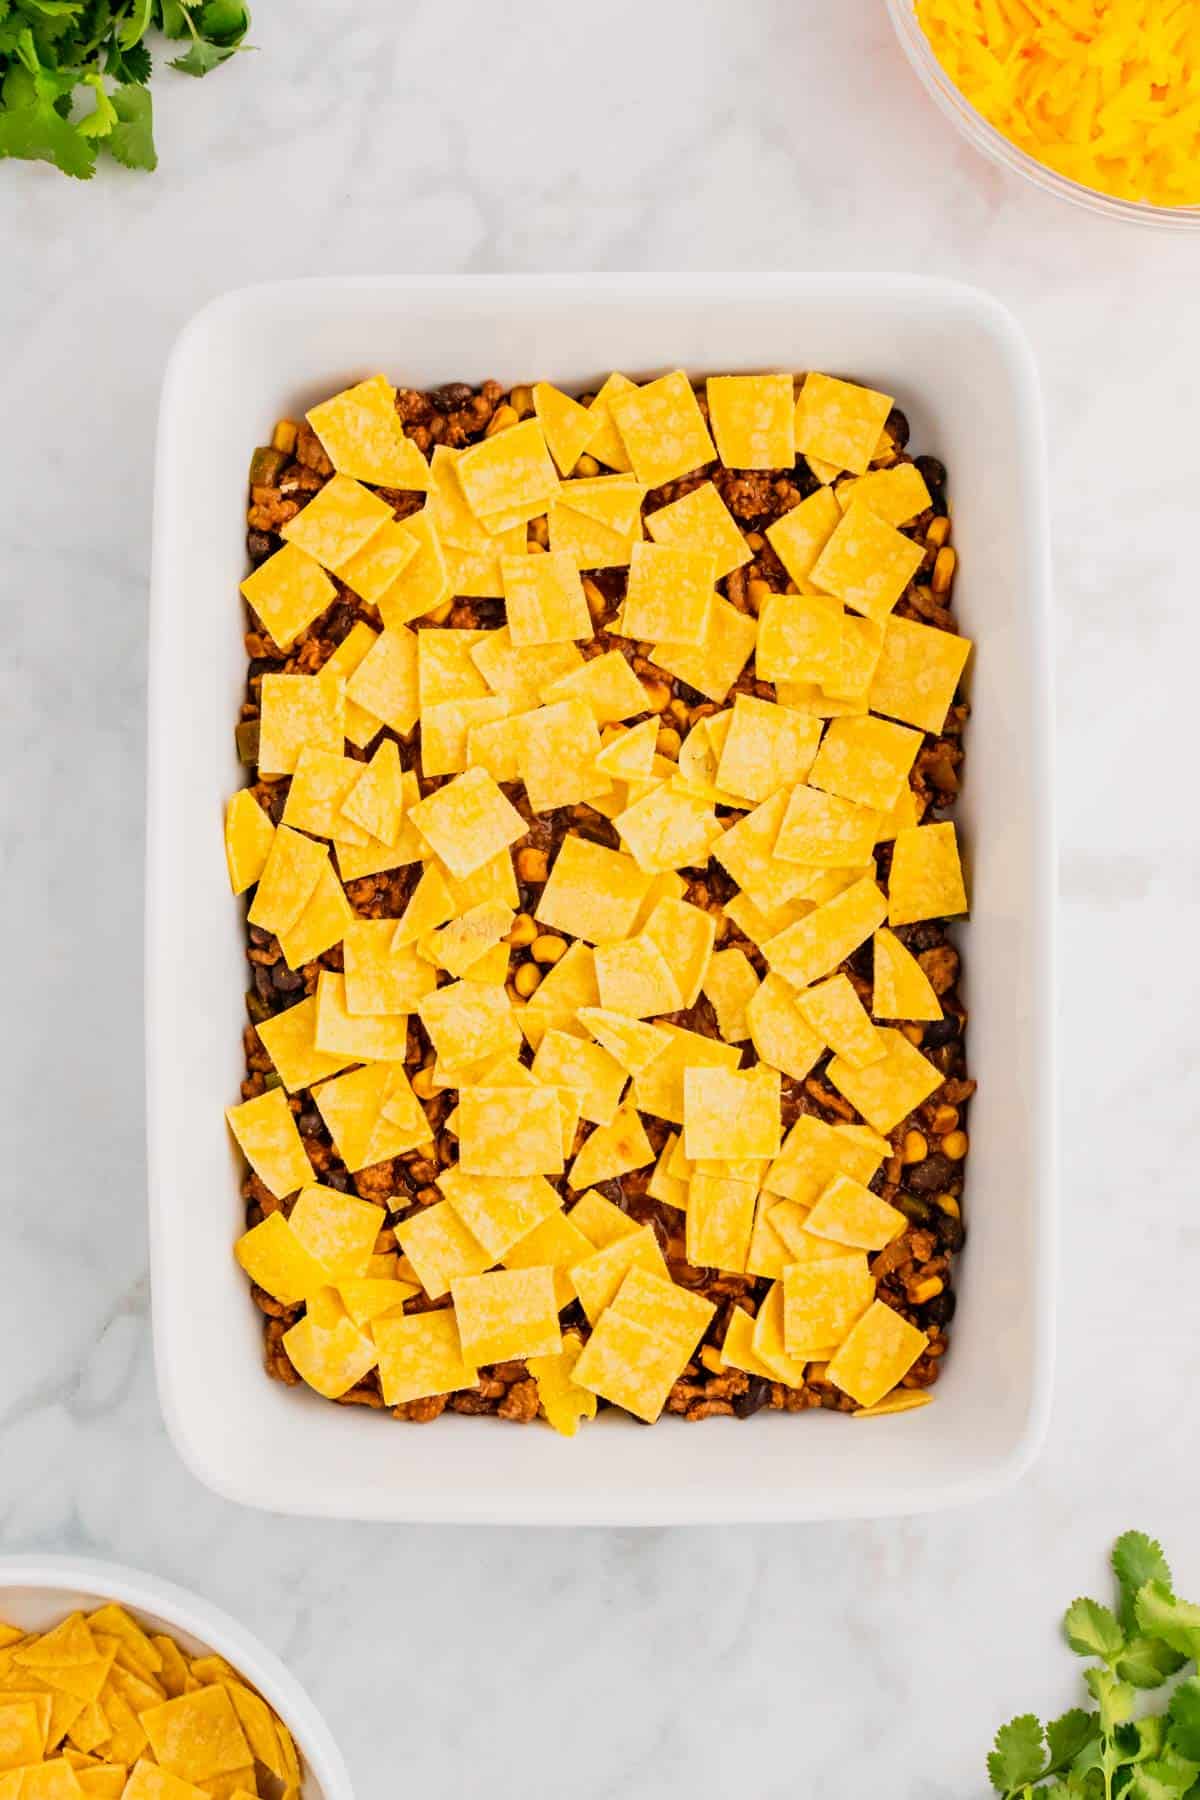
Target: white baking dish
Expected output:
[963,373]
[36,1592]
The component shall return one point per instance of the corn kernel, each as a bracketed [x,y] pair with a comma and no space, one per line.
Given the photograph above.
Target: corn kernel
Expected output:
[679,711]
[943,570]
[945,1118]
[284,436]
[668,742]
[914,1149]
[926,1290]
[949,1205]
[658,696]
[816,1371]
[523,932]
[586,466]
[596,603]
[938,533]
[501,419]
[422,1083]
[712,1360]
[540,531]
[754,540]
[532,865]
[954,1145]
[526,979]
[441,613]
[758,592]
[547,948]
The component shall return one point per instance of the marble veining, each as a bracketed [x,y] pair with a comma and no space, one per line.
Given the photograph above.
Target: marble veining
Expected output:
[840,1660]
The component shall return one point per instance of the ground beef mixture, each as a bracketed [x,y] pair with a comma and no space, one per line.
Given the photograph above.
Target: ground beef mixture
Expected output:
[923,1177]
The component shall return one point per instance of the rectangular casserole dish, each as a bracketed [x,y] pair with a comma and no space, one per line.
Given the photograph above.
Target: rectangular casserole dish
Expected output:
[960,369]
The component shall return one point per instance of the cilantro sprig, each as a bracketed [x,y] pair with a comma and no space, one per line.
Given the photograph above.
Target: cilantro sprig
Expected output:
[1112,1749]
[74,74]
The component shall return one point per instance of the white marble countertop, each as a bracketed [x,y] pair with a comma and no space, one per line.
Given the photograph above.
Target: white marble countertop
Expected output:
[838,1660]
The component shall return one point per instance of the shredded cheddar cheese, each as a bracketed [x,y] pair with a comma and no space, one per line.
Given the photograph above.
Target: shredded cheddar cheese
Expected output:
[1105,92]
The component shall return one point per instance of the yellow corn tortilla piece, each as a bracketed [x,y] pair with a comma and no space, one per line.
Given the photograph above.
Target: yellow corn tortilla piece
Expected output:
[799,537]
[445,667]
[360,727]
[338,521]
[557,746]
[799,638]
[611,1150]
[701,521]
[665,1186]
[22,1734]
[421,1355]
[456,525]
[337,1230]
[468,821]
[862,646]
[890,1089]
[376,801]
[663,1306]
[432,903]
[277,1262]
[423,583]
[363,437]
[902,990]
[197,1736]
[509,475]
[322,782]
[380,979]
[606,684]
[720,1219]
[370,1297]
[779,1031]
[569,985]
[507,1313]
[324,921]
[737,1351]
[669,594]
[816,944]
[683,935]
[573,1062]
[661,428]
[266,1131]
[727,1114]
[440,1248]
[509,1131]
[598,1277]
[659,1089]
[288,591]
[814,1153]
[353,1108]
[900,1400]
[629,753]
[752,418]
[371,571]
[714,665]
[498,1211]
[593,892]
[837,1015]
[669,828]
[757,925]
[600,1221]
[148,1782]
[849,1213]
[767,1340]
[555,1243]
[566,426]
[730,982]
[747,851]
[789,1220]
[865,760]
[297,711]
[290,874]
[564,1403]
[358,1037]
[867,563]
[459,945]
[897,494]
[630,1365]
[136,1644]
[839,422]
[630,1041]
[385,682]
[917,674]
[823,831]
[248,837]
[767,747]
[605,443]
[544,600]
[876,1355]
[521,676]
[587,541]
[823,1300]
[926,880]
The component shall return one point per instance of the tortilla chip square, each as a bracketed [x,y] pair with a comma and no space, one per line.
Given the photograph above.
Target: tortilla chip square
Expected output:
[867,563]
[566,425]
[849,1213]
[823,831]
[926,879]
[767,1341]
[22,1731]
[630,1365]
[573,1062]
[507,1313]
[701,521]
[467,1021]
[468,822]
[631,1042]
[636,980]
[612,1150]
[766,747]
[598,1277]
[823,1300]
[371,571]
[799,637]
[248,837]
[421,1355]
[446,669]
[358,1037]
[440,1248]
[897,494]
[554,1243]
[728,1115]
[730,983]
[322,782]
[323,922]
[664,1186]
[288,591]
[337,1230]
[360,727]
[600,1221]
[509,1131]
[557,748]
[684,935]
[563,1402]
[799,537]
[375,803]
[839,422]
[713,666]
[669,595]
[593,893]
[605,443]
[814,1153]
[423,583]
[298,710]
[521,675]
[662,429]
[198,1735]
[54,1780]
[338,521]
[380,979]
[918,673]
[902,989]
[720,1218]
[266,1131]
[660,1088]
[275,1260]
[837,1015]
[363,437]
[878,1352]
[752,418]
[865,760]
[509,474]
[544,599]
[663,1306]
[587,541]
[815,945]
[606,684]
[498,1211]
[353,1108]
[737,1351]
[890,1089]
[385,681]
[148,1782]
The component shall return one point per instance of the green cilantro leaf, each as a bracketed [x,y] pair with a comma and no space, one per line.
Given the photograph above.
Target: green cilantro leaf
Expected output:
[131,141]
[201,58]
[1162,1778]
[32,127]
[1137,1559]
[1177,1622]
[1067,1736]
[1114,1698]
[1091,1630]
[1019,1754]
[136,25]
[1148,1662]
[99,123]
[1183,1719]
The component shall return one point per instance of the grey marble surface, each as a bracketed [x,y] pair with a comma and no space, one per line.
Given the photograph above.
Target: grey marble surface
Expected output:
[839,1660]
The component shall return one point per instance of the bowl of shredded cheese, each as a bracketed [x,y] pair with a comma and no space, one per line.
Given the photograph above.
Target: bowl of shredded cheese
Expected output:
[1097,101]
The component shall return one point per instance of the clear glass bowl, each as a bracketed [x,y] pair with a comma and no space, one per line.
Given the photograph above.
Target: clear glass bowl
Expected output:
[984,136]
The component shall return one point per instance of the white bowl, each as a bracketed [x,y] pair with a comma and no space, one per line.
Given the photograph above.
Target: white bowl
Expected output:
[963,373]
[37,1592]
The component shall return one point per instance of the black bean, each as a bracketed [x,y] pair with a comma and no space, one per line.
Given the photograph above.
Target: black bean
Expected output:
[309,1123]
[932,1175]
[756,1396]
[951,1235]
[933,471]
[263,984]
[940,1310]
[258,546]
[285,980]
[451,396]
[336,1178]
[942,1031]
[897,427]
